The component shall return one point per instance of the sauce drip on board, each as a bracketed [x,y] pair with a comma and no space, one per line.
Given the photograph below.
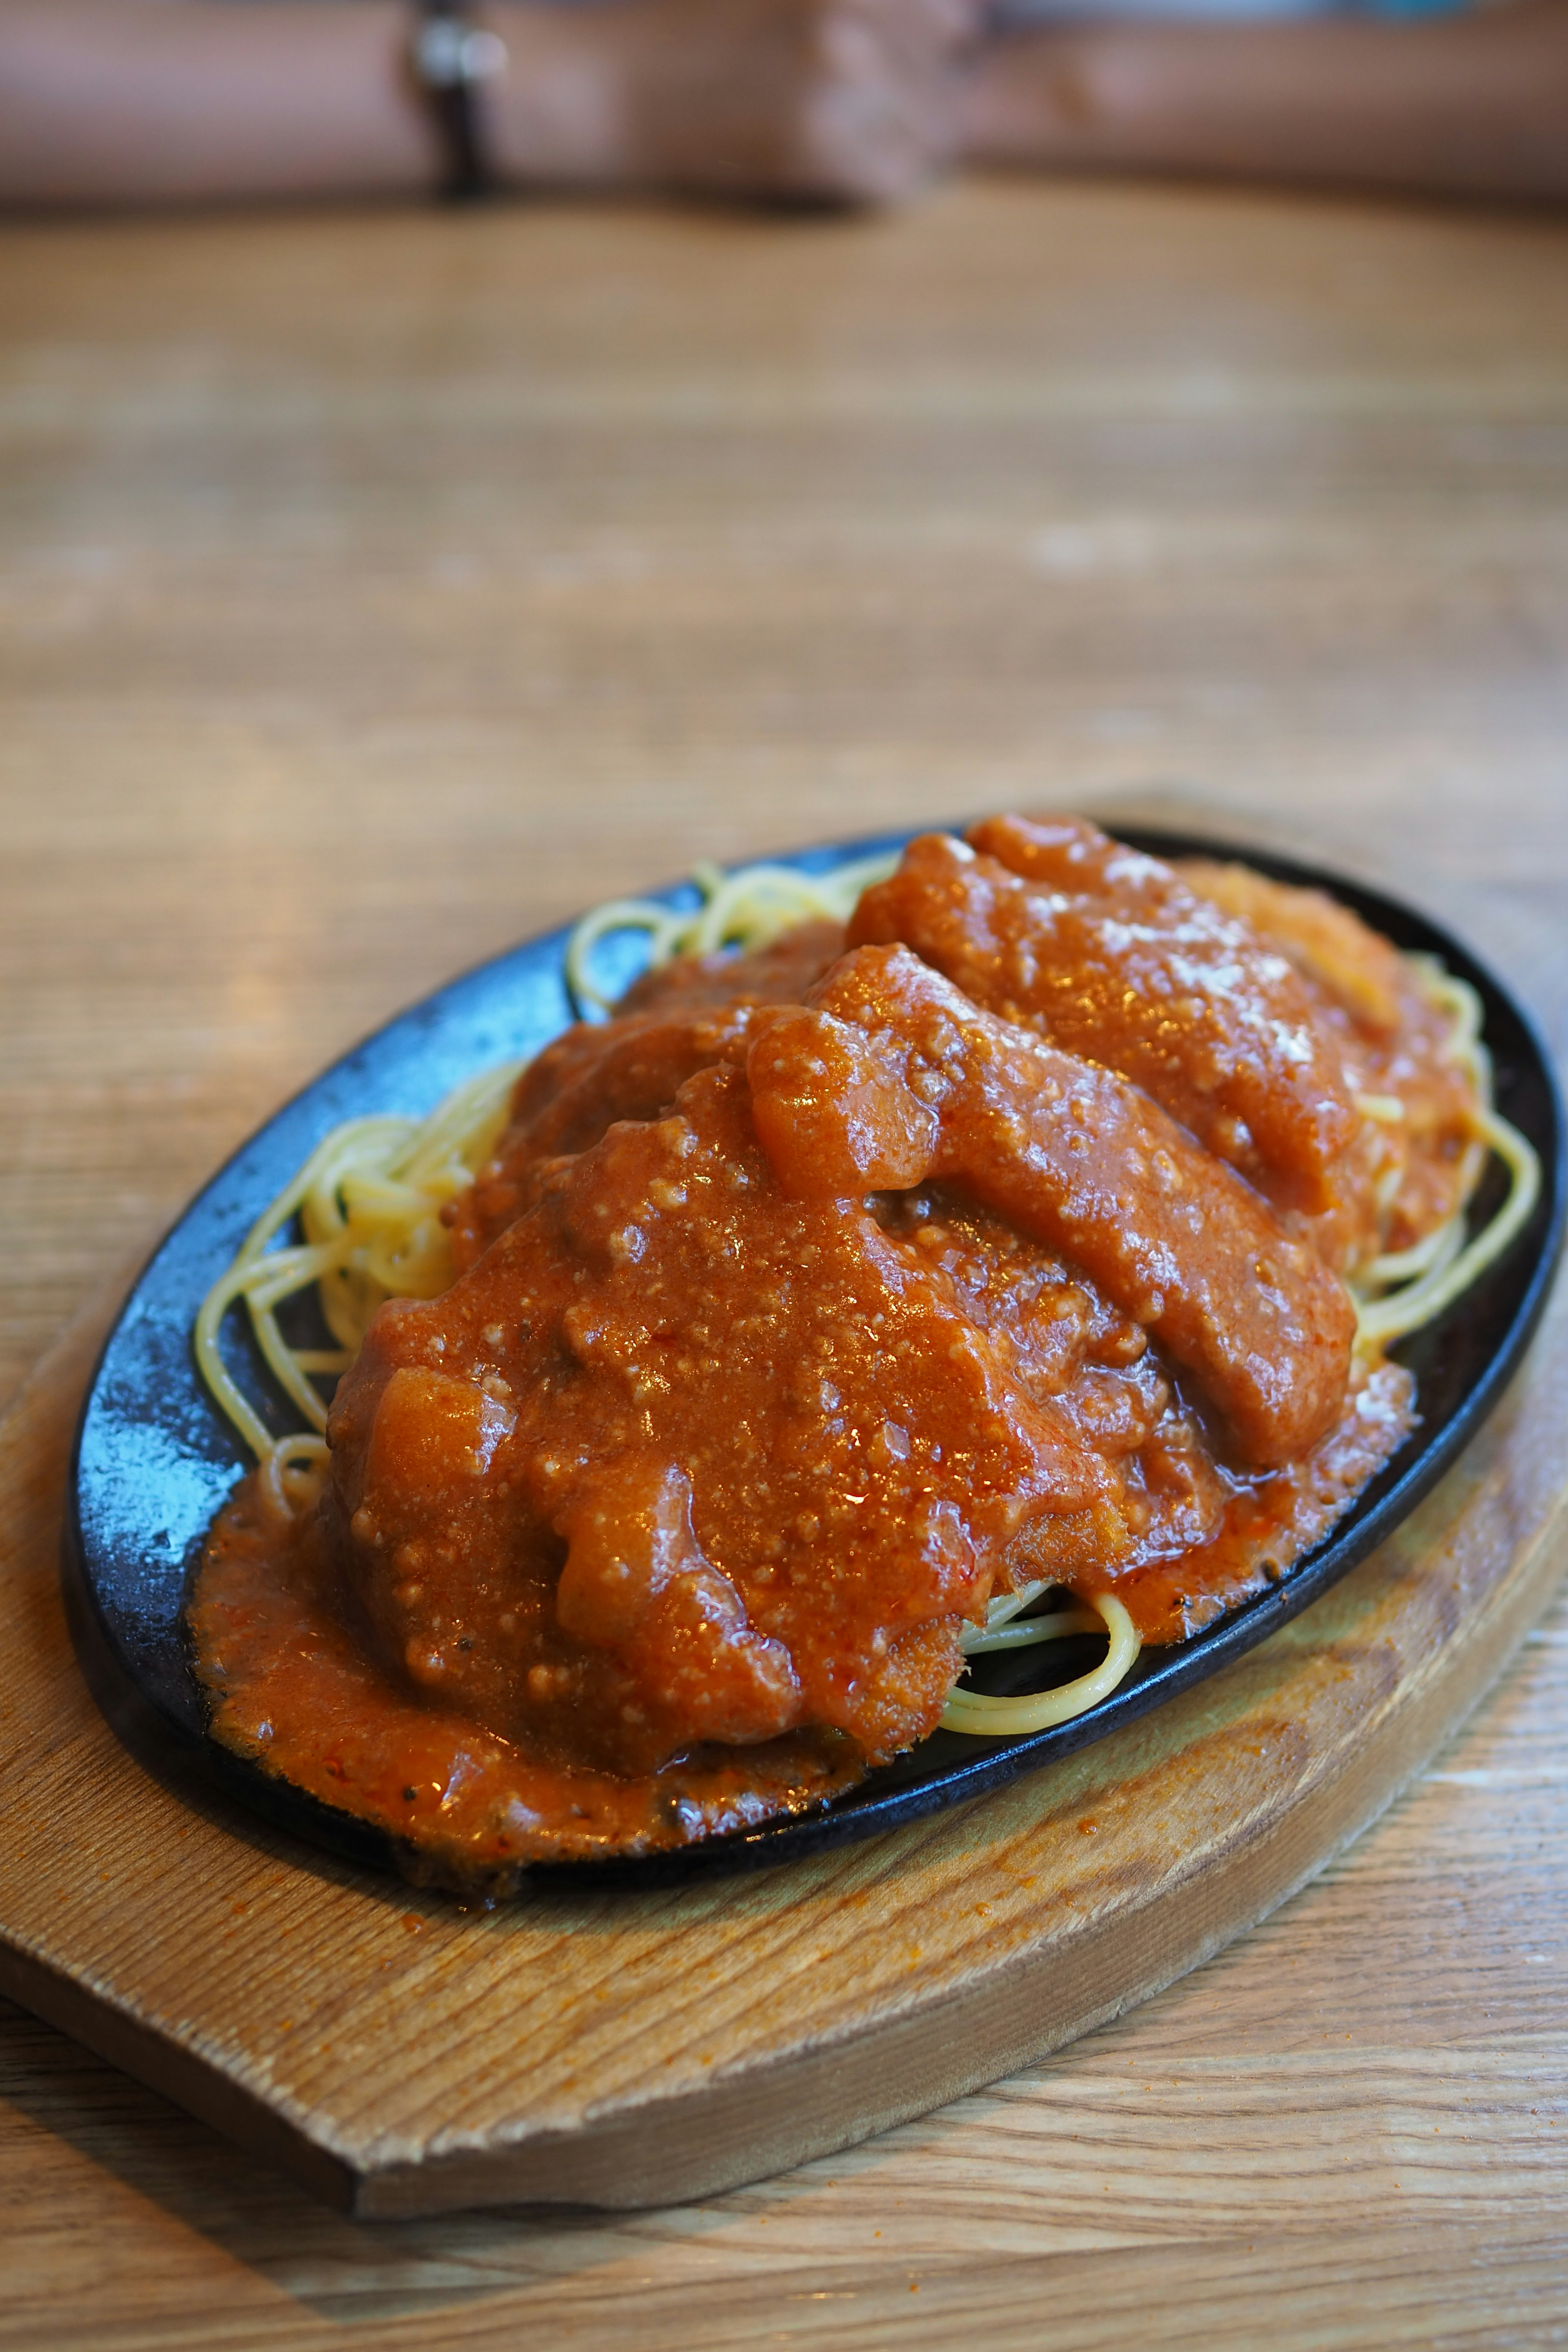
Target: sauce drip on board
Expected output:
[810,1304]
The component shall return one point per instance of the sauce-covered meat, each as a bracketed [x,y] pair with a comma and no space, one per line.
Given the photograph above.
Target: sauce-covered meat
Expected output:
[293,1683]
[676,1020]
[1395,1041]
[779,973]
[899,1077]
[687,1458]
[810,1302]
[580,1085]
[1115,958]
[1202,1533]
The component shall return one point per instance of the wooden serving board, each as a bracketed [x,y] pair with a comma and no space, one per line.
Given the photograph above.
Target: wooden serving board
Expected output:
[401,2056]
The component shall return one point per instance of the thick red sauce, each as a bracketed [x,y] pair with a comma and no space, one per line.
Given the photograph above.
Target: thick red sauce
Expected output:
[816,1300]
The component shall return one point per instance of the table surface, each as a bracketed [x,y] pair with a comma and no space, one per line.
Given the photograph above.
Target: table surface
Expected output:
[376,588]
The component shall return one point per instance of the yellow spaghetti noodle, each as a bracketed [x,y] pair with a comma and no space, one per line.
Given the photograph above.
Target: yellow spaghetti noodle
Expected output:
[1010,1718]
[748,908]
[368,1203]
[1397,1294]
[367,1208]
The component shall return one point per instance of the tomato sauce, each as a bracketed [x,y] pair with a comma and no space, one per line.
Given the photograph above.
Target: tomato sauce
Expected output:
[806,1305]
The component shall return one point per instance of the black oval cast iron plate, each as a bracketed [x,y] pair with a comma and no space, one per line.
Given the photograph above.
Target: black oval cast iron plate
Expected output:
[155,1458]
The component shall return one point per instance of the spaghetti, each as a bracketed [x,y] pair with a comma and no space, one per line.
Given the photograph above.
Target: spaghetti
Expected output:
[362,1222]
[1007,1628]
[1399,1293]
[747,909]
[368,1205]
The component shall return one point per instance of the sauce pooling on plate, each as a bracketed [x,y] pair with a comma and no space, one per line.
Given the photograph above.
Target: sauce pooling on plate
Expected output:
[814,1302]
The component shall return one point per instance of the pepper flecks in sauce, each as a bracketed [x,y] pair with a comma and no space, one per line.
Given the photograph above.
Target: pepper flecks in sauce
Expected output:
[807,1305]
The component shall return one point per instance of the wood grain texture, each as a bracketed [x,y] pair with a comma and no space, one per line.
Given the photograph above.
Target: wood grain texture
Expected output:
[400,2056]
[456,573]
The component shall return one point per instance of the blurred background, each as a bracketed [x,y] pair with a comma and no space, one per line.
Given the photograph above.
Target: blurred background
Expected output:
[833,413]
[459,465]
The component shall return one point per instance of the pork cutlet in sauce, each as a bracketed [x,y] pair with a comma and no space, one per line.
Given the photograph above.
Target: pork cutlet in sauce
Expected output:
[815,1300]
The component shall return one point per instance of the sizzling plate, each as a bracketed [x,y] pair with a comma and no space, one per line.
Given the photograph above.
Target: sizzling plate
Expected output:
[155,1459]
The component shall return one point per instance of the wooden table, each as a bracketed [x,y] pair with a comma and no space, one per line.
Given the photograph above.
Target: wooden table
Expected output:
[377,588]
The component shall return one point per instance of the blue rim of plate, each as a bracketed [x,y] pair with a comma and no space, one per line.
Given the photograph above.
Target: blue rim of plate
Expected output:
[154,1459]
